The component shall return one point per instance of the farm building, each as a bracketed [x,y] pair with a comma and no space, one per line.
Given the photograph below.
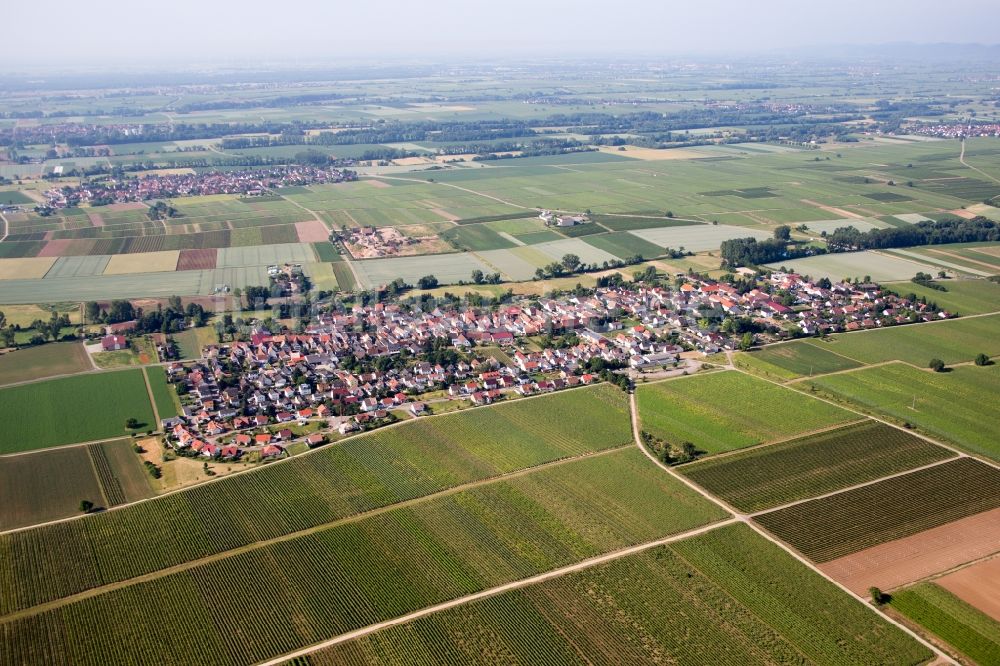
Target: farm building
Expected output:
[114,342]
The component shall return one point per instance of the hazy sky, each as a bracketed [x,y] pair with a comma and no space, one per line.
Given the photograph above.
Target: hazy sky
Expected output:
[94,31]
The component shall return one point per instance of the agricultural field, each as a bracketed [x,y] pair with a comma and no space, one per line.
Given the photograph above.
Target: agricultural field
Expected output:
[977,584]
[952,341]
[929,553]
[726,596]
[831,527]
[62,358]
[46,485]
[119,471]
[475,237]
[879,266]
[72,409]
[768,476]
[447,268]
[980,259]
[360,474]
[696,238]
[393,562]
[167,404]
[963,297]
[729,410]
[947,405]
[967,630]
[792,360]
[624,245]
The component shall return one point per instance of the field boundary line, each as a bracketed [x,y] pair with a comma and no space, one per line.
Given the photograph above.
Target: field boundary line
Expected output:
[774,442]
[53,448]
[152,399]
[257,545]
[457,187]
[744,518]
[961,158]
[930,578]
[500,589]
[863,484]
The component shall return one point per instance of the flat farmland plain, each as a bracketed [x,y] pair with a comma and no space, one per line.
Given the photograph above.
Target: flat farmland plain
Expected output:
[729,410]
[948,405]
[696,237]
[392,562]
[361,474]
[831,527]
[72,409]
[780,473]
[727,596]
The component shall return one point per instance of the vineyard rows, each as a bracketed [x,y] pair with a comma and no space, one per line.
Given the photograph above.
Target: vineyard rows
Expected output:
[813,465]
[727,596]
[277,598]
[110,485]
[827,528]
[375,470]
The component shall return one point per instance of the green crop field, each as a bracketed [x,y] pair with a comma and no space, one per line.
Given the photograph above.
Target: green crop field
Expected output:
[476,237]
[947,405]
[355,573]
[880,266]
[326,252]
[164,395]
[359,474]
[951,341]
[771,475]
[46,485]
[623,245]
[72,409]
[966,629]
[729,410]
[727,596]
[831,527]
[618,223]
[43,361]
[964,297]
[794,359]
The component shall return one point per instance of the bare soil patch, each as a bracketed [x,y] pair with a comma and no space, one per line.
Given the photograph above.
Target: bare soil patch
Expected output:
[190,260]
[311,231]
[95,219]
[961,212]
[56,248]
[896,563]
[978,585]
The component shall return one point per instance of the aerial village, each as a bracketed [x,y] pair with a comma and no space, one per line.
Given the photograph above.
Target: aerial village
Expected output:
[357,367]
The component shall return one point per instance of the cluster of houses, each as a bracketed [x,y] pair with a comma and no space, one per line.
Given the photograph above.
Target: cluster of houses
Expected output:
[247,394]
[952,130]
[245,182]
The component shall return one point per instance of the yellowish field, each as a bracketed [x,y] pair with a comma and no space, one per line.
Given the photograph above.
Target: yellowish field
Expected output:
[412,161]
[653,154]
[179,171]
[321,275]
[143,262]
[25,268]
[23,315]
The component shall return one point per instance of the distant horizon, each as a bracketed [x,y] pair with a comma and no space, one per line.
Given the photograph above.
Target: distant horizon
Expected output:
[112,34]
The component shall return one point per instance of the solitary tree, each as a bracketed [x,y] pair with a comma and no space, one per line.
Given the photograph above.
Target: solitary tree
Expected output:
[936,364]
[746,342]
[982,359]
[427,282]
[571,262]
[878,596]
[86,506]
[784,232]
[132,423]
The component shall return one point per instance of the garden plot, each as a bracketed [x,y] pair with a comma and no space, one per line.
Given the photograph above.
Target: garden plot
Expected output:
[447,268]
[697,238]
[265,255]
[880,267]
